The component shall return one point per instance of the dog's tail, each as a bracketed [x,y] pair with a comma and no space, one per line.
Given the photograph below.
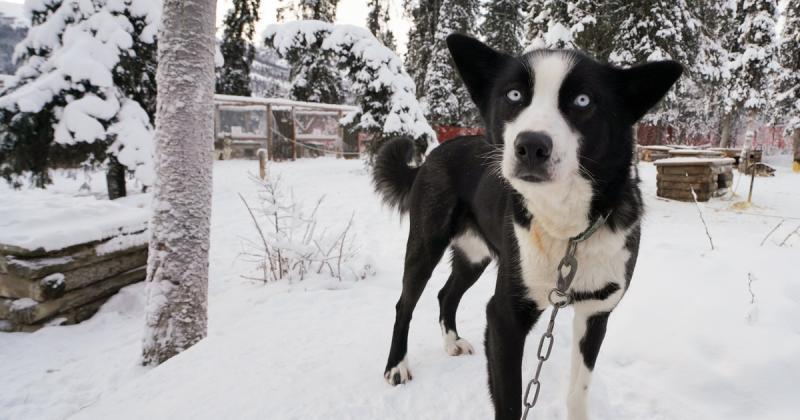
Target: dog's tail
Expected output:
[392,175]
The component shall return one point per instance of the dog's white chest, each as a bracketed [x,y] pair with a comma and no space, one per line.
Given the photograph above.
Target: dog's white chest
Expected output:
[601,260]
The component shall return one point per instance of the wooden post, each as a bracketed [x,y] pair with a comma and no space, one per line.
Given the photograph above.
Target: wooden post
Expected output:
[262,163]
[270,149]
[294,136]
[341,137]
[752,180]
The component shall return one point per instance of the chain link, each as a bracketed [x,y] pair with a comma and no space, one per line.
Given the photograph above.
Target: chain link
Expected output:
[559,297]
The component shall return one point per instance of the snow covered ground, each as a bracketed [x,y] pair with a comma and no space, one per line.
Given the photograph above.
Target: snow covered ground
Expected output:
[686,342]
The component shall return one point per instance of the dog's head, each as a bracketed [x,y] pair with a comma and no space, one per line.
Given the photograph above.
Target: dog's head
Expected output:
[558,115]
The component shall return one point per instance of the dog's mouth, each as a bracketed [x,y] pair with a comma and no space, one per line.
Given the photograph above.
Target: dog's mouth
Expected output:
[533,175]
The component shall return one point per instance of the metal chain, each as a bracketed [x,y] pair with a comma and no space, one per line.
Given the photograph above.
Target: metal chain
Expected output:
[559,297]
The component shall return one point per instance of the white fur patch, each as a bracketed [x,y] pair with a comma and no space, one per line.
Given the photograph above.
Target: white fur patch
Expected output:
[455,345]
[402,370]
[601,260]
[472,246]
[580,375]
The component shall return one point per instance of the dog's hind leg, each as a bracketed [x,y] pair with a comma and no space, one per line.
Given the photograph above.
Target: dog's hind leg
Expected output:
[467,268]
[589,329]
[422,254]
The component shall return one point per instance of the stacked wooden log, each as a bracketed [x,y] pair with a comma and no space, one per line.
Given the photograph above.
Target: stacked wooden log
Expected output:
[63,256]
[689,178]
[69,285]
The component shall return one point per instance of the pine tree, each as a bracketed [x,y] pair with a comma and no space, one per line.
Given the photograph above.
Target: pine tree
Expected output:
[788,84]
[177,274]
[425,16]
[587,25]
[503,25]
[664,29]
[378,23]
[447,97]
[752,59]
[314,76]
[59,114]
[237,48]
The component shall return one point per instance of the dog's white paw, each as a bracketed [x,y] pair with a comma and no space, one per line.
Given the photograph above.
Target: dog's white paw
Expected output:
[399,374]
[456,346]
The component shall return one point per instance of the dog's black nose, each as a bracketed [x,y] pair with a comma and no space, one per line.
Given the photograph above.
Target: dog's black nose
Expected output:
[533,148]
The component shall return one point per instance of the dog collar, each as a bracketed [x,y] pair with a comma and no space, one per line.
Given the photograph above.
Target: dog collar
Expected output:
[586,234]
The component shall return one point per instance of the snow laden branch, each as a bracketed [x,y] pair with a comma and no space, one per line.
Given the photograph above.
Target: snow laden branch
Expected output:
[74,61]
[291,242]
[386,93]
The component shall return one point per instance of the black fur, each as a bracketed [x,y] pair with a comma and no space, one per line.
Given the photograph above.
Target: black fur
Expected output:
[459,190]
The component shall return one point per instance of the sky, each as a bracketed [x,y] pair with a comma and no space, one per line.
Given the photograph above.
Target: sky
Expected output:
[352,12]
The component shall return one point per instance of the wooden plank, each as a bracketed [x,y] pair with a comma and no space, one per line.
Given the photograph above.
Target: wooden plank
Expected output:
[39,267]
[685,178]
[687,186]
[74,316]
[76,298]
[682,195]
[684,170]
[12,251]
[50,287]
[692,161]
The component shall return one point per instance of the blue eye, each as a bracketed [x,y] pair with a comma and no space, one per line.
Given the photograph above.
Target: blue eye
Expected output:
[582,100]
[514,95]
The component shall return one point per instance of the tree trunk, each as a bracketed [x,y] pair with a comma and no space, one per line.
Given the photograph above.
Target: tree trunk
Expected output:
[177,273]
[725,136]
[796,147]
[115,179]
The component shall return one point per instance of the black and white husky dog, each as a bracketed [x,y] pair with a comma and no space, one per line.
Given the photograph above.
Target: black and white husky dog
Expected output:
[557,156]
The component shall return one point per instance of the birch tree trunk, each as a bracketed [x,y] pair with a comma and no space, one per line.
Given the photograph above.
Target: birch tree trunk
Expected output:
[177,272]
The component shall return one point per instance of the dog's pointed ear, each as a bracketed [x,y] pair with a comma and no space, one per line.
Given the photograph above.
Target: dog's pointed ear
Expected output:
[644,85]
[476,63]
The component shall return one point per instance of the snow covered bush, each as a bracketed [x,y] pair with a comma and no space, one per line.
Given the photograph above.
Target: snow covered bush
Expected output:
[86,78]
[385,92]
[291,243]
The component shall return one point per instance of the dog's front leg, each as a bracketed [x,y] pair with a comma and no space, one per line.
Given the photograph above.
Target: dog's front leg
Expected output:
[588,331]
[509,319]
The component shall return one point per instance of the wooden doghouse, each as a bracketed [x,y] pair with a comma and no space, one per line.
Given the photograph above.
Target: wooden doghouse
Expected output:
[707,177]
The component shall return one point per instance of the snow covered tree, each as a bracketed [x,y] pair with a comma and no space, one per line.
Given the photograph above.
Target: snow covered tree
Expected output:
[788,85]
[324,10]
[653,30]
[424,16]
[177,273]
[83,91]
[448,101]
[503,25]
[313,74]
[237,48]
[752,60]
[388,106]
[587,25]
[378,23]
